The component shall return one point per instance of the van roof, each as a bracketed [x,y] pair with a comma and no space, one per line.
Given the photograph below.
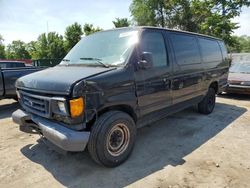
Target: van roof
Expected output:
[167,29]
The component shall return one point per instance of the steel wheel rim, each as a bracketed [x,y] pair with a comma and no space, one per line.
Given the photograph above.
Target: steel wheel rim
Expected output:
[211,102]
[118,139]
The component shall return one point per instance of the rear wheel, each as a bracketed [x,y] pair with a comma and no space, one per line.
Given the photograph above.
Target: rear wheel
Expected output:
[206,106]
[112,138]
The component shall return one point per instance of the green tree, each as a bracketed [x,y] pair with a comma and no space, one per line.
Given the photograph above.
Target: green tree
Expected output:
[181,15]
[17,50]
[145,12]
[242,44]
[89,29]
[50,46]
[2,48]
[212,17]
[245,43]
[121,22]
[72,35]
[164,13]
[31,47]
[218,18]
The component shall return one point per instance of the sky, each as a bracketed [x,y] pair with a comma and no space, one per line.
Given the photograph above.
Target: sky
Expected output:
[244,22]
[26,19]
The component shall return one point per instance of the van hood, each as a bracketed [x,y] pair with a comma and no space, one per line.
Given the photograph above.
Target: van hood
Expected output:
[59,79]
[238,76]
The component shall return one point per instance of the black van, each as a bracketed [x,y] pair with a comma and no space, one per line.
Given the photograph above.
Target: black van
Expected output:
[114,81]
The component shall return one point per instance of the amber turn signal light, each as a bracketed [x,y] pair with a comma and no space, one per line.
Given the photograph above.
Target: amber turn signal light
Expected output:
[76,107]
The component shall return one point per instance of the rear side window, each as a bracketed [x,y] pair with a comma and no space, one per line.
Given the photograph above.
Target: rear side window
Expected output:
[186,49]
[153,42]
[17,65]
[223,49]
[210,50]
[3,65]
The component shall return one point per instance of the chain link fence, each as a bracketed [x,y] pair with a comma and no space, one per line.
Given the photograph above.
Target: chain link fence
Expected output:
[46,62]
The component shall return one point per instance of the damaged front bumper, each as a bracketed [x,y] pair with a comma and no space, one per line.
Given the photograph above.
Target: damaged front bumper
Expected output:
[64,138]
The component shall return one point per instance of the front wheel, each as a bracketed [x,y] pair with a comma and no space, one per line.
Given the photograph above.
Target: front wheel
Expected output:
[112,138]
[206,106]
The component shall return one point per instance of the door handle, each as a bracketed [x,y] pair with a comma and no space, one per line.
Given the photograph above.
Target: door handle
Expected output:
[167,82]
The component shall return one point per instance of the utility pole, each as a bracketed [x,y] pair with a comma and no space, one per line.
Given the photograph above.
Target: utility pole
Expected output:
[223,17]
[47,27]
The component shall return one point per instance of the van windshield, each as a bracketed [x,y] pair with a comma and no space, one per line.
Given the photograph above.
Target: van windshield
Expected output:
[107,48]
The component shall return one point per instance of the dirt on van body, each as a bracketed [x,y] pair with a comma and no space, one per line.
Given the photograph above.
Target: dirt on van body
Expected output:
[186,149]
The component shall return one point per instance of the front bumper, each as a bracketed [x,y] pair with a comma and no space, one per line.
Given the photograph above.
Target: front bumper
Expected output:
[239,89]
[222,88]
[64,138]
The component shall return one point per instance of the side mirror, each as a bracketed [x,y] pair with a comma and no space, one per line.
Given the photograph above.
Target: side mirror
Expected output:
[146,60]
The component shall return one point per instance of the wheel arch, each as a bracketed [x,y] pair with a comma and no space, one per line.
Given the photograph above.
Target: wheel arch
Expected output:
[121,107]
[215,86]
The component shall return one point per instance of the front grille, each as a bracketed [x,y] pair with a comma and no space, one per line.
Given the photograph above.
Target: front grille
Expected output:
[35,104]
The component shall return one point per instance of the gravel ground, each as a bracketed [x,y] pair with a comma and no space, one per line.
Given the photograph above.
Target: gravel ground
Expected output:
[186,149]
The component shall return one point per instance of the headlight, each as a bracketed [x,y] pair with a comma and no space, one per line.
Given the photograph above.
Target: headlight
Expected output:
[61,106]
[76,107]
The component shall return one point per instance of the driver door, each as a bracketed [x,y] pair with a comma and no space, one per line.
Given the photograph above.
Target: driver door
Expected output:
[1,83]
[153,85]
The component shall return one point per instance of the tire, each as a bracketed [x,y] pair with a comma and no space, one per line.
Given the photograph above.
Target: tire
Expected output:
[206,106]
[112,138]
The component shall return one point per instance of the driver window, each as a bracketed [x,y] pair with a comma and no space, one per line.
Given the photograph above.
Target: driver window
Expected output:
[153,42]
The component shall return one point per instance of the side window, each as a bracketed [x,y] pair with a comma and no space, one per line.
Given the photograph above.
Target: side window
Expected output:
[153,42]
[186,49]
[223,49]
[3,65]
[18,65]
[12,65]
[8,65]
[210,50]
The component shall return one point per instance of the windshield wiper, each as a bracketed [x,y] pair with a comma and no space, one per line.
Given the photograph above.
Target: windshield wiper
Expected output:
[95,59]
[244,72]
[66,60]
